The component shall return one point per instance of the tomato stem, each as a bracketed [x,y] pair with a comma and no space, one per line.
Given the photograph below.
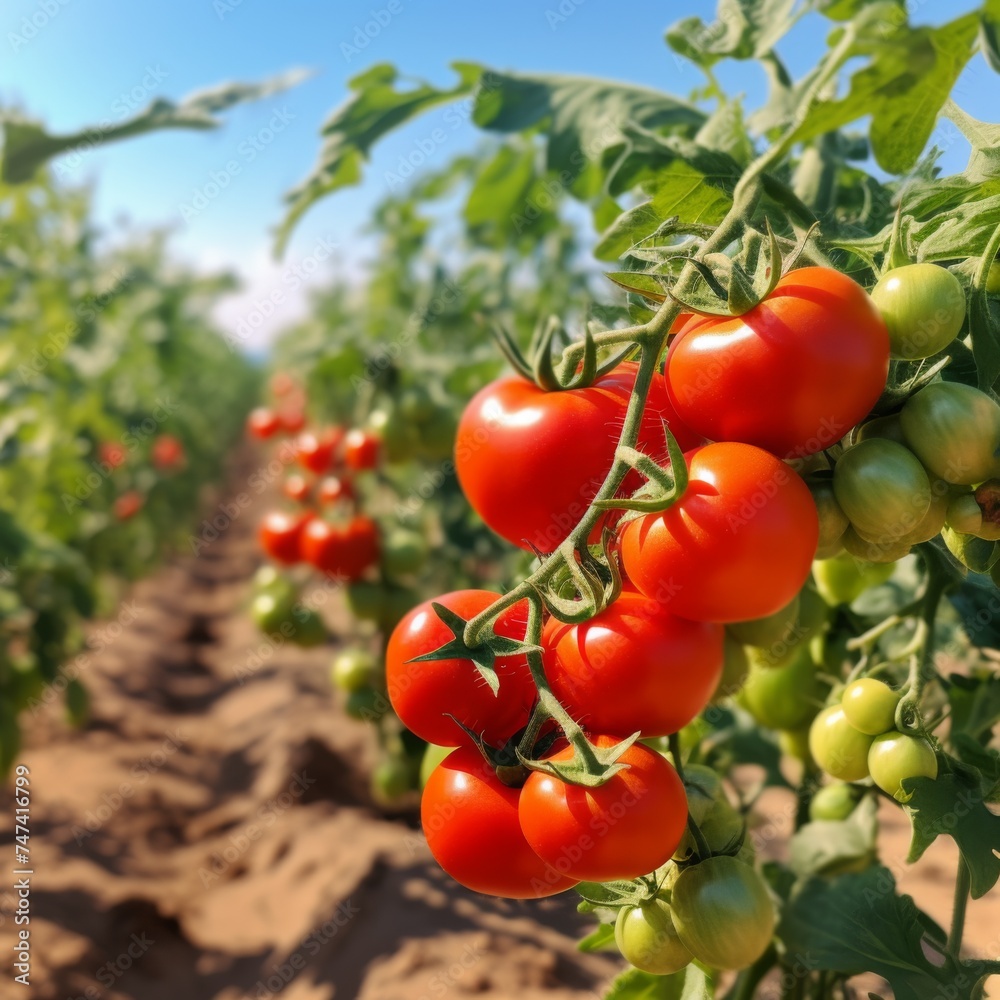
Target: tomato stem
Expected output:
[963,883]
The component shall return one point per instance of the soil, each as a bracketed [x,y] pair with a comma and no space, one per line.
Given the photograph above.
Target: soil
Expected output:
[210,836]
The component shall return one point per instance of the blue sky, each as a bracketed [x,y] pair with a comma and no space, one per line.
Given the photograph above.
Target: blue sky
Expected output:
[94,60]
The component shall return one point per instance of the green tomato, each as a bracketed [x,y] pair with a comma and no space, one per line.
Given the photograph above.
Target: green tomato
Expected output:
[763,632]
[888,428]
[888,551]
[368,705]
[979,554]
[964,515]
[433,755]
[735,666]
[837,747]
[894,757]
[923,306]
[269,613]
[437,434]
[870,706]
[353,669]
[309,629]
[416,404]
[721,825]
[811,619]
[364,600]
[703,786]
[782,697]
[954,430]
[795,743]
[391,780]
[723,913]
[646,937]
[403,552]
[834,802]
[397,434]
[882,488]
[843,579]
[833,521]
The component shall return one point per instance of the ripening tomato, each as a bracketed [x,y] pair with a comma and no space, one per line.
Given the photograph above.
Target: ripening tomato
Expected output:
[316,450]
[530,461]
[738,545]
[633,667]
[262,423]
[335,488]
[423,692]
[470,820]
[280,535]
[625,828]
[112,454]
[361,449]
[167,452]
[345,550]
[646,937]
[291,419]
[282,383]
[793,375]
[923,306]
[128,505]
[296,488]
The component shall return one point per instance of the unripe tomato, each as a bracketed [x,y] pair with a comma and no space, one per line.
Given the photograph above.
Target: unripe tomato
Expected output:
[316,450]
[433,755]
[723,913]
[423,692]
[843,579]
[886,551]
[870,705]
[954,430]
[763,632]
[782,697]
[703,786]
[416,404]
[344,551]
[837,747]
[353,669]
[882,488]
[367,705]
[470,820]
[646,937]
[795,743]
[397,435]
[833,522]
[437,434]
[738,544]
[979,554]
[391,780]
[923,306]
[627,827]
[270,611]
[834,802]
[735,666]
[793,375]
[888,428]
[308,629]
[894,757]
[361,450]
[633,667]
[262,423]
[403,552]
[721,826]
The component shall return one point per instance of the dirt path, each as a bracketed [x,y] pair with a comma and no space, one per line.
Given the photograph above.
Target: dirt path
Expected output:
[209,835]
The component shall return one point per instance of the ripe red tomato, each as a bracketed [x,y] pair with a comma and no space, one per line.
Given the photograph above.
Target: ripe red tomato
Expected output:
[470,820]
[296,488]
[316,450]
[627,827]
[530,461]
[633,667]
[335,488]
[738,545]
[128,505]
[280,535]
[112,454]
[341,550]
[421,693]
[291,419]
[167,452]
[793,375]
[262,423]
[360,449]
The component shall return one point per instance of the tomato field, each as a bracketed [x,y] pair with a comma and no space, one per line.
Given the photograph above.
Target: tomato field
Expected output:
[591,591]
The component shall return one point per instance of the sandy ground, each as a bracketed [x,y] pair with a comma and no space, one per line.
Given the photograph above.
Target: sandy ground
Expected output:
[209,835]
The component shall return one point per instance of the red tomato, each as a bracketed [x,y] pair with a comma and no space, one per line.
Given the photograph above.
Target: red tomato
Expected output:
[633,667]
[360,449]
[793,375]
[296,488]
[112,454]
[280,535]
[421,693]
[316,451]
[737,546]
[341,550]
[282,383]
[335,488]
[167,452]
[627,827]
[262,423]
[530,461]
[470,820]
[291,420]
[128,505]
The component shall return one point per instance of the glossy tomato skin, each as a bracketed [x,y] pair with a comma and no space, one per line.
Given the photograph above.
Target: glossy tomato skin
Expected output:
[627,827]
[341,550]
[837,747]
[291,420]
[470,820]
[633,667]
[316,450]
[738,545]
[262,423]
[296,488]
[421,693]
[334,488]
[793,375]
[361,450]
[894,757]
[647,939]
[923,306]
[280,535]
[530,461]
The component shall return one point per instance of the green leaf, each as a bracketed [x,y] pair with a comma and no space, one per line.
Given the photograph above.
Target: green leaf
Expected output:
[977,594]
[27,145]
[952,804]
[603,939]
[691,983]
[989,34]
[984,137]
[827,847]
[858,923]
[647,285]
[975,702]
[744,29]
[985,760]
[500,192]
